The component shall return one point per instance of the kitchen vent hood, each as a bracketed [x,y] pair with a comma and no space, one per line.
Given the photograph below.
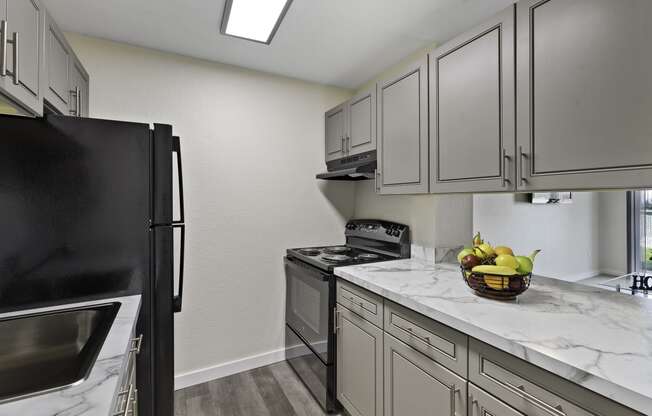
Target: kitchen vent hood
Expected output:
[352,168]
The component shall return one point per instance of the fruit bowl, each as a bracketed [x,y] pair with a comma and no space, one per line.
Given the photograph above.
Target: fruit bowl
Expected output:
[495,272]
[496,287]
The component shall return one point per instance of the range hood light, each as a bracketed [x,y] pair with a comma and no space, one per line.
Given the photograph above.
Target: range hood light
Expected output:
[255,20]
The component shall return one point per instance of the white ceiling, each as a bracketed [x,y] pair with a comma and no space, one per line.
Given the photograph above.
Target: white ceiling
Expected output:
[336,42]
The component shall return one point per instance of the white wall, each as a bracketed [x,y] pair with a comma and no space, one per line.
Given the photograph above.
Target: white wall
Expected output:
[568,235]
[612,230]
[252,144]
[434,220]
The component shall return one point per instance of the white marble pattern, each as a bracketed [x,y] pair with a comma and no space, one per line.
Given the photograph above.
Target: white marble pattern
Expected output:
[94,396]
[599,339]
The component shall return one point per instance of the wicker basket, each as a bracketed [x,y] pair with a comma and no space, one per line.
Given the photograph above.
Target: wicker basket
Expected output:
[496,287]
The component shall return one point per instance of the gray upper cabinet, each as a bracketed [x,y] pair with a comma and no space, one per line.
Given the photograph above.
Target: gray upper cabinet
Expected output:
[23,20]
[359,364]
[403,132]
[58,60]
[584,94]
[79,90]
[335,120]
[472,110]
[362,123]
[417,386]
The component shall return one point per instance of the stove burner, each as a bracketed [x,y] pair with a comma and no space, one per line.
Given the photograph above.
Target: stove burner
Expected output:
[309,251]
[367,256]
[335,258]
[336,250]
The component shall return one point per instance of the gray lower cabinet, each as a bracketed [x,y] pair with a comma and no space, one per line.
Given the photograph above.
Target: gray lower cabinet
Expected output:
[21,79]
[361,136]
[417,386]
[79,90]
[532,390]
[483,404]
[472,109]
[58,61]
[359,364]
[403,131]
[584,94]
[126,400]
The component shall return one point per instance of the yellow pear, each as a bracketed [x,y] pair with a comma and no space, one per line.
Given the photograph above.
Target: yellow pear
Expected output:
[503,250]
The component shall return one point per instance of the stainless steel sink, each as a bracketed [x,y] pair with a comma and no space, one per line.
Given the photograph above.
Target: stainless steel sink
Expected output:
[48,351]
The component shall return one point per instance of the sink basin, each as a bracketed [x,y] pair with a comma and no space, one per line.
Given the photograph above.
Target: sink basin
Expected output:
[47,351]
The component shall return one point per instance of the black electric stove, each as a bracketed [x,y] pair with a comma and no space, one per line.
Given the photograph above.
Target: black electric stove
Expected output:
[310,298]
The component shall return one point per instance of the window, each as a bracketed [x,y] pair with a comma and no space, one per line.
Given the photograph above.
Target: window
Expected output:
[640,231]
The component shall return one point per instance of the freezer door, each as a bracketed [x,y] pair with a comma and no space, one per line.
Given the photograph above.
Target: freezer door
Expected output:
[75,207]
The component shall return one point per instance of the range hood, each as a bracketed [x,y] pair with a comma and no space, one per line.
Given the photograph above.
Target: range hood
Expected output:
[352,168]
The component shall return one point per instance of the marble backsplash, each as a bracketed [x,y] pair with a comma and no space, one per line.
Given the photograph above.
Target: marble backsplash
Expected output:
[435,255]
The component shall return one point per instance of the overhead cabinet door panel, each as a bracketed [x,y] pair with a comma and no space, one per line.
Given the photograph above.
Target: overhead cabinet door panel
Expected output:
[472,109]
[585,93]
[335,121]
[362,122]
[403,124]
[24,20]
[57,59]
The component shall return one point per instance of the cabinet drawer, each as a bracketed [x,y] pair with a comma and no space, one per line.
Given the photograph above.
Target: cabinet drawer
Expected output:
[126,397]
[362,302]
[532,390]
[444,345]
[483,404]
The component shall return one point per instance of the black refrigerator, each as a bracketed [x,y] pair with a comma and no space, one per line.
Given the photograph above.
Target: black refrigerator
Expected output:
[91,209]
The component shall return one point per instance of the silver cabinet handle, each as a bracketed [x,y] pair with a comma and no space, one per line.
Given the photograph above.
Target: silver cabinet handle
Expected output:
[522,155]
[75,93]
[377,182]
[343,148]
[129,393]
[335,316]
[474,404]
[506,162]
[557,410]
[409,329]
[136,343]
[16,58]
[453,391]
[3,48]
[348,145]
[79,101]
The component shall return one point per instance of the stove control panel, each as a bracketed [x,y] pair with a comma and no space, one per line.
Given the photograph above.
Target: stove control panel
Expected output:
[377,229]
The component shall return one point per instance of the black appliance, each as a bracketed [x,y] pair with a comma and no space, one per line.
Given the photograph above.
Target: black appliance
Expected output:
[310,298]
[351,168]
[86,212]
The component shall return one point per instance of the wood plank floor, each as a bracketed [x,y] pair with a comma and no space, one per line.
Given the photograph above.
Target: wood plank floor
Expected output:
[274,390]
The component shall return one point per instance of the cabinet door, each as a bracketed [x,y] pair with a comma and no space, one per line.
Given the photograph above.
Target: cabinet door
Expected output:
[79,90]
[417,386]
[403,132]
[483,404]
[24,20]
[359,364]
[57,67]
[335,126]
[362,123]
[584,94]
[472,110]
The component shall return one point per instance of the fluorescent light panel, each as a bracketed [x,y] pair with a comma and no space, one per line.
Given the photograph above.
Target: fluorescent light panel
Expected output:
[255,20]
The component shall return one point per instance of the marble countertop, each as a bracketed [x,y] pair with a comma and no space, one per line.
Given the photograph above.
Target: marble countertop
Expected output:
[596,338]
[93,396]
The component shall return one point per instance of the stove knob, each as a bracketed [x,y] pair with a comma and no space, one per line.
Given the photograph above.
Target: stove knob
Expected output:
[396,233]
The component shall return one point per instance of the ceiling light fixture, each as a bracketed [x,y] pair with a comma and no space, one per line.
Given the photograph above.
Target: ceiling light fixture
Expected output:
[256,20]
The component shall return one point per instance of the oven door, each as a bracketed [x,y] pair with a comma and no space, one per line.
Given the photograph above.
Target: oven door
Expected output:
[308,305]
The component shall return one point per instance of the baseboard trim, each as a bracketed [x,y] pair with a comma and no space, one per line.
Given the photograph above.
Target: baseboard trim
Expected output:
[203,375]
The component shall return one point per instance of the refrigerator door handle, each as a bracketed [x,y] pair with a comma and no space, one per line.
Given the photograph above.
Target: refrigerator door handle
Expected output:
[177,299]
[176,148]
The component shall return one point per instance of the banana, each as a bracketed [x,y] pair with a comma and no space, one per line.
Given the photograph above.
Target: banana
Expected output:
[495,270]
